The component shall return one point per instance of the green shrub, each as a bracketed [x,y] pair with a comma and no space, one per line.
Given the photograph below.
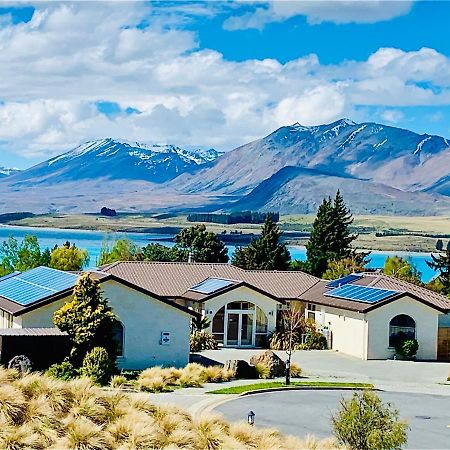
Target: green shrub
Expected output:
[63,371]
[315,340]
[407,348]
[365,423]
[118,381]
[98,366]
[200,340]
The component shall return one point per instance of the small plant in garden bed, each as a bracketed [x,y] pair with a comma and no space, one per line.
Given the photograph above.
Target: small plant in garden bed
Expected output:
[407,348]
[200,340]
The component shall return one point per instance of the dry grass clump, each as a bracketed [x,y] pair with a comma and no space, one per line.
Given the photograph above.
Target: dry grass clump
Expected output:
[158,379]
[38,412]
[295,370]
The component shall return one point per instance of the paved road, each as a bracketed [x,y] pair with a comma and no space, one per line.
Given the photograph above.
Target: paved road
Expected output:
[308,412]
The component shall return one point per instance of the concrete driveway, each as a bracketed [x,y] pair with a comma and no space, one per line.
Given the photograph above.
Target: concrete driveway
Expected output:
[386,374]
[301,413]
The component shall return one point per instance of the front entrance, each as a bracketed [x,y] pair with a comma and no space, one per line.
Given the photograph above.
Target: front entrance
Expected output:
[240,324]
[239,330]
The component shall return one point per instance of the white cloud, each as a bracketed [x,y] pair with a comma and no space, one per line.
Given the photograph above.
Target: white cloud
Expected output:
[392,115]
[55,68]
[318,11]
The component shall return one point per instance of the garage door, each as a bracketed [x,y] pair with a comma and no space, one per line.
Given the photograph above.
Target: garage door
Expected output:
[443,351]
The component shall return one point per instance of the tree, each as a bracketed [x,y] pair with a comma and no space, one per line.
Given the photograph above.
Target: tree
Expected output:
[121,250]
[292,320]
[341,267]
[25,256]
[204,246]
[331,237]
[158,252]
[265,252]
[439,245]
[68,257]
[365,423]
[441,264]
[401,268]
[87,319]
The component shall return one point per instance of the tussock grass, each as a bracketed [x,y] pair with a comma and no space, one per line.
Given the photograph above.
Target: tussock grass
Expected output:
[158,379]
[38,412]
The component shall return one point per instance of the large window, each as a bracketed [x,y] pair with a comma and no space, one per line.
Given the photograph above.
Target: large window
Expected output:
[118,337]
[401,327]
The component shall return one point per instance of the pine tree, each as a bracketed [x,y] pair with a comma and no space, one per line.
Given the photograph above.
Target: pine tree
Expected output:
[205,246]
[87,319]
[265,252]
[441,263]
[331,237]
[318,247]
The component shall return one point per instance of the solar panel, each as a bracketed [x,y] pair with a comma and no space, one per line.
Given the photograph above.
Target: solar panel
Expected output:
[36,284]
[344,280]
[365,294]
[211,285]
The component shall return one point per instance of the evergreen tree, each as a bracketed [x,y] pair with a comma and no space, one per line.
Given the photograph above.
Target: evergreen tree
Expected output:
[87,319]
[204,246]
[265,252]
[121,250]
[158,252]
[319,244]
[441,263]
[439,245]
[331,237]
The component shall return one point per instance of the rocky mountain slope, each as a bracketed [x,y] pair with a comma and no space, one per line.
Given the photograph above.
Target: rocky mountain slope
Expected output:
[6,171]
[118,160]
[392,156]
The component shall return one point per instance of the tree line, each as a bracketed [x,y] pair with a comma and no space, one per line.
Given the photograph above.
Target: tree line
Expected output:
[254,217]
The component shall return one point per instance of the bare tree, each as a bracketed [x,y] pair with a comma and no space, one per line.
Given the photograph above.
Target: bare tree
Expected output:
[292,320]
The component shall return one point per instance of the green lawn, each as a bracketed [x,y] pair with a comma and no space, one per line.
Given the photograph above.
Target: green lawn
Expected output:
[294,384]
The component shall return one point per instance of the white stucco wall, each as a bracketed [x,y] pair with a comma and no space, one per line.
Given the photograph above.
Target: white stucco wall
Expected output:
[244,294]
[348,329]
[426,319]
[143,318]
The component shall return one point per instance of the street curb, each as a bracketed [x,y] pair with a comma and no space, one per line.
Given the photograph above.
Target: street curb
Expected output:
[306,388]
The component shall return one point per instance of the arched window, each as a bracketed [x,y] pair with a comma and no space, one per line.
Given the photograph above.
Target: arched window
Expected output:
[401,327]
[118,337]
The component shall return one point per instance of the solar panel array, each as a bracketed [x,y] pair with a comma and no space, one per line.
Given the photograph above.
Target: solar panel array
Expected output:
[344,280]
[36,284]
[211,285]
[358,293]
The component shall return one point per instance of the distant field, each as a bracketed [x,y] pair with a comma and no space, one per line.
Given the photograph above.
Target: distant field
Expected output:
[366,226]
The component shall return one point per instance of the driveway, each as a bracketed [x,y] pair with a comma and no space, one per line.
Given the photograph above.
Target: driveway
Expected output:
[327,364]
[301,413]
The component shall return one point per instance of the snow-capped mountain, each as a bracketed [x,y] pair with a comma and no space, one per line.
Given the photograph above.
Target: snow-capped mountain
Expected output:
[368,151]
[117,159]
[7,171]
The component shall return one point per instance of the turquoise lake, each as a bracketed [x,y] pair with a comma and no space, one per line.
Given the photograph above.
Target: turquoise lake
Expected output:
[92,242]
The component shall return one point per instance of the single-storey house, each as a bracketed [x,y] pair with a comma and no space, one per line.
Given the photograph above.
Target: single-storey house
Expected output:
[360,314]
[153,330]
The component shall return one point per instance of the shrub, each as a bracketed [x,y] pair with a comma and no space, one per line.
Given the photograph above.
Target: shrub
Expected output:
[314,341]
[262,370]
[63,371]
[98,366]
[295,370]
[200,340]
[407,348]
[118,381]
[365,423]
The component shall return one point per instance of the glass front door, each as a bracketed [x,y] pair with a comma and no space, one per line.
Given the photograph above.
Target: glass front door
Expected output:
[240,328]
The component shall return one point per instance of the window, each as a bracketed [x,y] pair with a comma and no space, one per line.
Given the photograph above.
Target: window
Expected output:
[401,327]
[311,311]
[6,320]
[218,325]
[118,337]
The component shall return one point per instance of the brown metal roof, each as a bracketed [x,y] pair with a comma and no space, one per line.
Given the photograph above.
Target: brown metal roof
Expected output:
[174,280]
[426,296]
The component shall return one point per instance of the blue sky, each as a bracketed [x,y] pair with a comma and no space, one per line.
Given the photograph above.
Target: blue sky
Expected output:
[216,73]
